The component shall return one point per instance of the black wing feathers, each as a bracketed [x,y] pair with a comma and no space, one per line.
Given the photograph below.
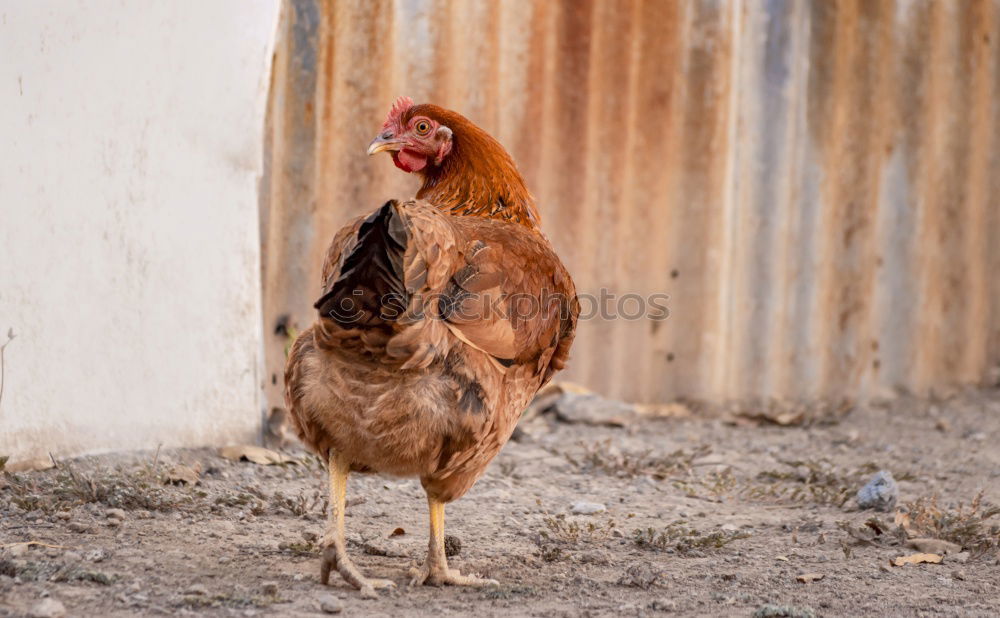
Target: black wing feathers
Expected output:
[370,290]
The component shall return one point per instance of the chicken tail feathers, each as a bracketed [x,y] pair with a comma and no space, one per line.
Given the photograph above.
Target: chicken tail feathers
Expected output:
[369,290]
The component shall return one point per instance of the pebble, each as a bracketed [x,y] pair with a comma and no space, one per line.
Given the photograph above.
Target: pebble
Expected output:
[587,508]
[96,555]
[78,526]
[270,588]
[48,608]
[452,545]
[663,605]
[118,514]
[309,536]
[880,493]
[197,589]
[729,527]
[331,604]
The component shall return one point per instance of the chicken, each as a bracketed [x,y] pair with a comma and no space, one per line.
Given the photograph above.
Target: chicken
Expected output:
[440,318]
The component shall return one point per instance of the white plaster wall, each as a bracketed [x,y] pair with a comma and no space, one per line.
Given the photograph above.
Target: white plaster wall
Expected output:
[130,152]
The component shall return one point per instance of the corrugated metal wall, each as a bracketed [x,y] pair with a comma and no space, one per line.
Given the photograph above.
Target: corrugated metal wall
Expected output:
[814,184]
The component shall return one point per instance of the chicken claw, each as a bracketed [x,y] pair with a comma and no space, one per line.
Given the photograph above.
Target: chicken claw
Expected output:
[438,576]
[334,558]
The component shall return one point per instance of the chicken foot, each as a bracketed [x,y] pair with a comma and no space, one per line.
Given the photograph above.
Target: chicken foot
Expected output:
[334,557]
[435,571]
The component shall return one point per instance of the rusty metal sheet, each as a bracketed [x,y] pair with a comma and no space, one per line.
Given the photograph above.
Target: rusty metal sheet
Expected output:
[813,184]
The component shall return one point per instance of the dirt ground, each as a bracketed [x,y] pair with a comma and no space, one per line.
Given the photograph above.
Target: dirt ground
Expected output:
[709,515]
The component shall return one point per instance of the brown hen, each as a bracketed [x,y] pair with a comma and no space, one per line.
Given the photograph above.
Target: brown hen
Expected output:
[440,319]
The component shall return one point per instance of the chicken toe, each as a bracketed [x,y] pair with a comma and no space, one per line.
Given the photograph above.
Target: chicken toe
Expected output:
[435,575]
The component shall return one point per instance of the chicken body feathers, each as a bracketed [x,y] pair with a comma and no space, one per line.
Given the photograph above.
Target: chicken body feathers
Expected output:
[435,332]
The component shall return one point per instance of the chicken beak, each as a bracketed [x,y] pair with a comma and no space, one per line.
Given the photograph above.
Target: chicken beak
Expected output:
[380,144]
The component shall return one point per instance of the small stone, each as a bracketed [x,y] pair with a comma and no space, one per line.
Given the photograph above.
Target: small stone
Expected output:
[880,493]
[587,508]
[960,557]
[729,527]
[96,555]
[452,545]
[197,590]
[78,527]
[959,575]
[115,514]
[114,523]
[48,608]
[269,588]
[309,536]
[331,604]
[663,605]
[298,577]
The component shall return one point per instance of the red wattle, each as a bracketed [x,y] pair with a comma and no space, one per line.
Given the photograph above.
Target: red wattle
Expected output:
[409,161]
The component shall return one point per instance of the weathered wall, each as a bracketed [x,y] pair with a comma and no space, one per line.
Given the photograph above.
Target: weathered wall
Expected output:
[813,184]
[129,247]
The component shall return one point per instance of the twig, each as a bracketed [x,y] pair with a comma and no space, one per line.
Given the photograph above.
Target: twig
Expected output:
[10,337]
[36,544]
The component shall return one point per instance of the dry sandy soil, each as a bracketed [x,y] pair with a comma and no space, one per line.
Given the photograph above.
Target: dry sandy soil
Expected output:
[704,517]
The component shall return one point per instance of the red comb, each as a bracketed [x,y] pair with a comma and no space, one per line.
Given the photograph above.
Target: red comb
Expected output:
[398,109]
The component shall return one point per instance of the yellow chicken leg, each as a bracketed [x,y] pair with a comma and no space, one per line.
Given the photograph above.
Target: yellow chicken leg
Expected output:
[435,571]
[334,547]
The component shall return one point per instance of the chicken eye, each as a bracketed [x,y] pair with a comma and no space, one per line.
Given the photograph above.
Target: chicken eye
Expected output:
[423,127]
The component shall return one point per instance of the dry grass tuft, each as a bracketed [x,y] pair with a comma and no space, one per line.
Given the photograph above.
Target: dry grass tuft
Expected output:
[678,537]
[712,486]
[602,456]
[562,533]
[965,525]
[572,532]
[64,488]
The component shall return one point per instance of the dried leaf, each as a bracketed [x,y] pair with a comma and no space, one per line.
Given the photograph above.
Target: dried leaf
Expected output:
[30,465]
[902,520]
[181,474]
[917,559]
[782,419]
[397,532]
[875,525]
[254,454]
[806,578]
